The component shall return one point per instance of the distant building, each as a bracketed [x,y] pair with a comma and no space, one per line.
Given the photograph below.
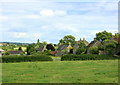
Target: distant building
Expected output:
[94,44]
[15,52]
[41,48]
[64,49]
[76,46]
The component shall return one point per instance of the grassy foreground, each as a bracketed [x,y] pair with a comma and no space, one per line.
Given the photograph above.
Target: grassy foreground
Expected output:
[99,71]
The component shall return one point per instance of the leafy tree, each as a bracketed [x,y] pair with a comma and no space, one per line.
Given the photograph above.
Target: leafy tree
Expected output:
[109,46]
[80,51]
[68,39]
[101,36]
[7,53]
[20,48]
[44,43]
[50,47]
[94,50]
[82,48]
[116,35]
[30,49]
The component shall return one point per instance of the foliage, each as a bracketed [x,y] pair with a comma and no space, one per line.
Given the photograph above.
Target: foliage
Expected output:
[50,47]
[109,46]
[73,57]
[20,48]
[82,48]
[30,49]
[19,58]
[6,53]
[67,39]
[101,36]
[93,50]
[80,51]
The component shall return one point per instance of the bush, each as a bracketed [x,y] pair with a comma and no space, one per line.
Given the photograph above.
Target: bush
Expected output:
[80,50]
[93,50]
[73,57]
[19,58]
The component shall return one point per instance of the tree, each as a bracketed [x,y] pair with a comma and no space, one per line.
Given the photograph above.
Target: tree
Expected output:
[67,39]
[94,50]
[50,47]
[101,36]
[38,41]
[82,48]
[30,49]
[20,48]
[80,51]
[116,35]
[109,46]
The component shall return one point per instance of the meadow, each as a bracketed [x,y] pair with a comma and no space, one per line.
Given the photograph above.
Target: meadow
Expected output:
[89,71]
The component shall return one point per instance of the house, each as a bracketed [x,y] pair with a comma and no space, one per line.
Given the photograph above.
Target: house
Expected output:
[76,46]
[1,52]
[53,53]
[41,48]
[64,49]
[15,52]
[94,44]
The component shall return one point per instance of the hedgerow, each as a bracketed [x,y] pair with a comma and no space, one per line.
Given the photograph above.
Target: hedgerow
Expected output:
[24,58]
[73,57]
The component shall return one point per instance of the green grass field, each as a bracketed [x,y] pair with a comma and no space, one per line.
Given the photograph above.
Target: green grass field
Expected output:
[99,71]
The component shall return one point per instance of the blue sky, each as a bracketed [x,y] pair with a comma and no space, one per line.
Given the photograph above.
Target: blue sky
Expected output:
[28,20]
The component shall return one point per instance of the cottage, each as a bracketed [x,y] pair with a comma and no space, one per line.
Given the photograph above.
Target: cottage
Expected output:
[94,44]
[76,46]
[15,52]
[41,48]
[64,49]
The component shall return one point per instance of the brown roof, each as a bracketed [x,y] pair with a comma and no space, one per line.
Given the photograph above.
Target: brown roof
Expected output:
[53,52]
[94,43]
[15,52]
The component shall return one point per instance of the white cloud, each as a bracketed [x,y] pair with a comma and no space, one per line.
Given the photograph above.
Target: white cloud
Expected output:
[47,12]
[50,12]
[3,18]
[60,13]
[32,16]
[19,34]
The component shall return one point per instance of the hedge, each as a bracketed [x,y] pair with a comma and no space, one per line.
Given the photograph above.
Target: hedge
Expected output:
[24,58]
[73,57]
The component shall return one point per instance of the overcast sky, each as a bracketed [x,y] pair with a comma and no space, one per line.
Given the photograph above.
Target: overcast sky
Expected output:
[28,20]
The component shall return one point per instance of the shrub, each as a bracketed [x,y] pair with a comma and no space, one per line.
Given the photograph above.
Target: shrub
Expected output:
[73,57]
[93,50]
[7,53]
[80,50]
[19,58]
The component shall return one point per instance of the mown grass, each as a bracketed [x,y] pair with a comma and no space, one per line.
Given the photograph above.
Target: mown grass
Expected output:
[99,71]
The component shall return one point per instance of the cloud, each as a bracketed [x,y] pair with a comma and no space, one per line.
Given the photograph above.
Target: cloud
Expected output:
[3,18]
[47,13]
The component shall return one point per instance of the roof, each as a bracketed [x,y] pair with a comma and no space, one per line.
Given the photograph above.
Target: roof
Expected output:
[94,43]
[40,48]
[53,52]
[1,50]
[15,52]
[61,47]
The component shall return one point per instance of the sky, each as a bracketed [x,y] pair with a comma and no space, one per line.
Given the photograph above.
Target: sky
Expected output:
[50,20]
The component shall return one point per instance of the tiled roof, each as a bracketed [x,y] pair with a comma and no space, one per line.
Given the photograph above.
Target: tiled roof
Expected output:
[61,47]
[53,52]
[15,52]
[40,48]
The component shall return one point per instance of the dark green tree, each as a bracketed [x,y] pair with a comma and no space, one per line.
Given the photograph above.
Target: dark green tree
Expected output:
[101,36]
[30,49]
[109,46]
[20,48]
[68,39]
